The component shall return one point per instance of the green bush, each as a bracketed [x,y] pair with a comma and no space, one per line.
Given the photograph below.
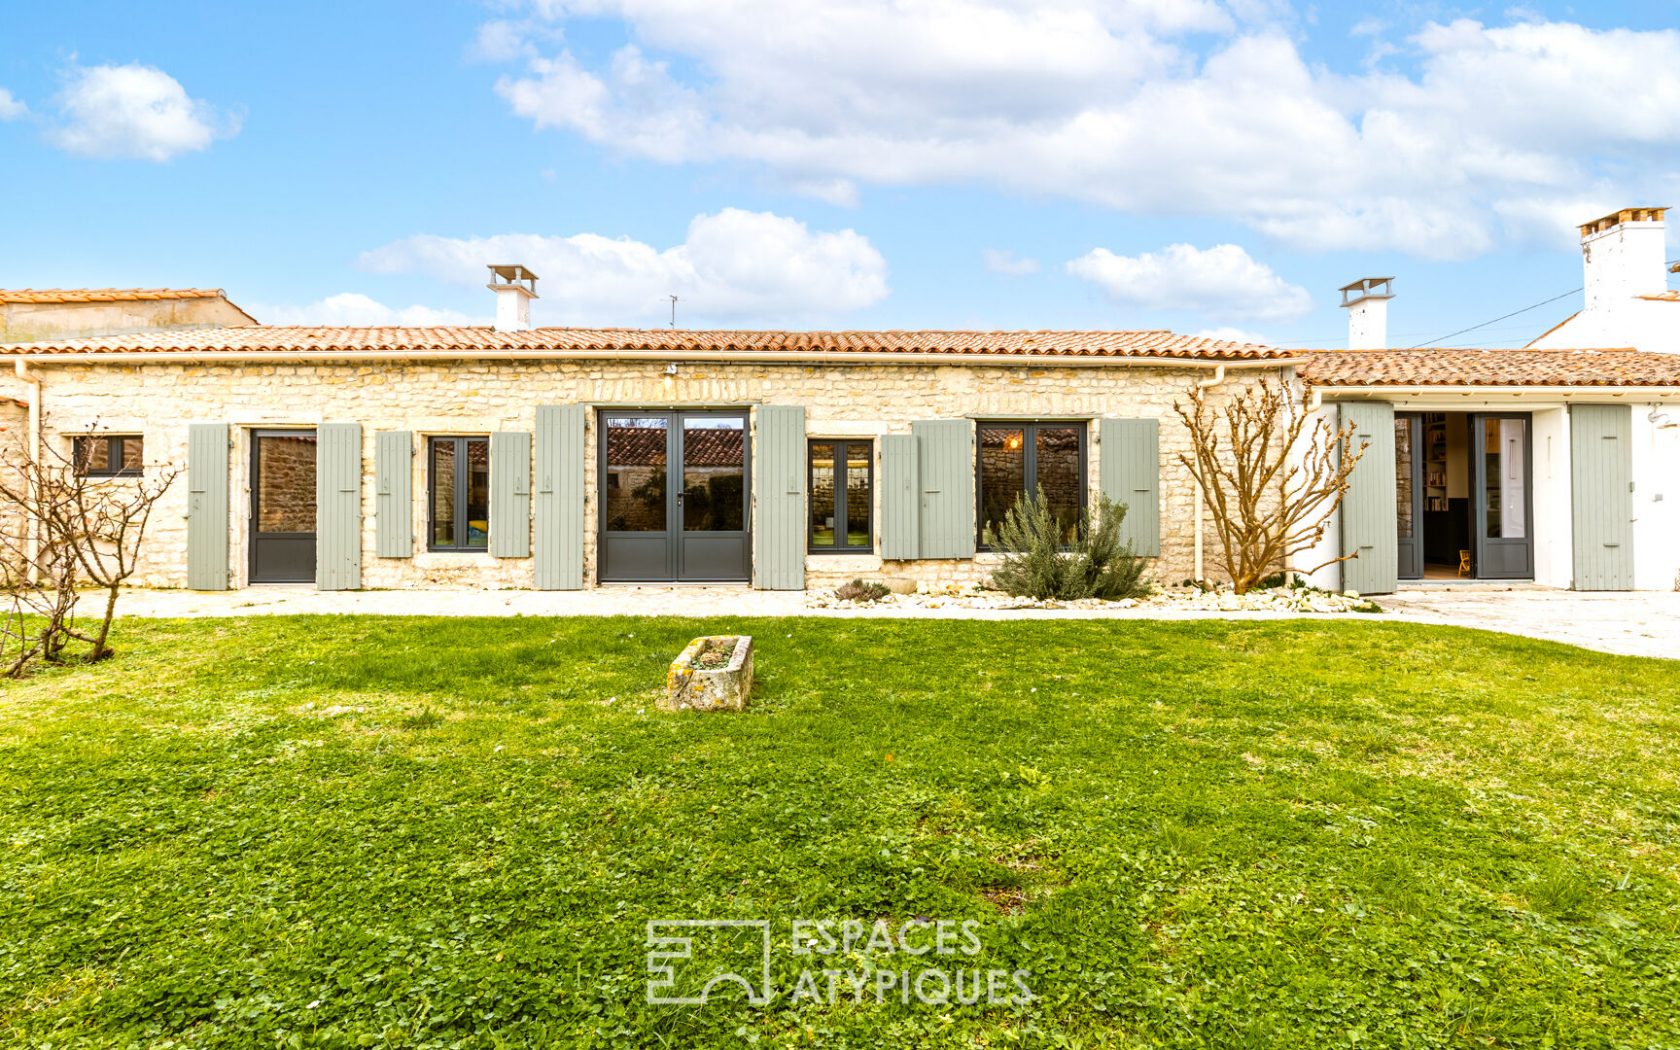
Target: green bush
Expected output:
[1037,565]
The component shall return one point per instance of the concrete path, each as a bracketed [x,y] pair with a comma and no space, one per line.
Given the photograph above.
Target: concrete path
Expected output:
[1641,624]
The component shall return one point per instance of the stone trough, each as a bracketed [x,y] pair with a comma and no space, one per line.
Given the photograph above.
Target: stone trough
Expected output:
[713,673]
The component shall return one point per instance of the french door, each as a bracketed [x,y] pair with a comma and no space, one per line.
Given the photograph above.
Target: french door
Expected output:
[674,490]
[1502,476]
[283,506]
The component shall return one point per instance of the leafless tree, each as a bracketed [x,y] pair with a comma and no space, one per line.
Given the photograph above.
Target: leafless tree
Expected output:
[1272,475]
[63,527]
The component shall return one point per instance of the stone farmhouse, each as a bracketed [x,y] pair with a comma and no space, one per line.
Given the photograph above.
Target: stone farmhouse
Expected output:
[509,456]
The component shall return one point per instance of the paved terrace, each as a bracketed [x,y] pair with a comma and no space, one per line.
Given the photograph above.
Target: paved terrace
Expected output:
[1639,624]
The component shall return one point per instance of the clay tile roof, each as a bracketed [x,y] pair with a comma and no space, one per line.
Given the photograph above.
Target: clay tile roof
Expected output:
[659,341]
[1454,367]
[103,295]
[1670,296]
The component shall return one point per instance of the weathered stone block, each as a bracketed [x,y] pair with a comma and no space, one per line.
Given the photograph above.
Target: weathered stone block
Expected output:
[713,673]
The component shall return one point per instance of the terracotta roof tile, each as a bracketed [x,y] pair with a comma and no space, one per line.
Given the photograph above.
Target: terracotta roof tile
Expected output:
[1454,367]
[657,341]
[103,295]
[1670,296]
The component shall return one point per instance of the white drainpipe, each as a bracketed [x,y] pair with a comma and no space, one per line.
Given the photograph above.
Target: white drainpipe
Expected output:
[32,537]
[1201,497]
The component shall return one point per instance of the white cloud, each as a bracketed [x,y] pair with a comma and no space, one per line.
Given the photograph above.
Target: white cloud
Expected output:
[1222,282]
[356,309]
[137,112]
[1133,105]
[1006,262]
[11,107]
[733,266]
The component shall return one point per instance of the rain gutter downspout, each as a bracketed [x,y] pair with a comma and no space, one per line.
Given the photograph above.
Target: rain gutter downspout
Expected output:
[32,537]
[1201,497]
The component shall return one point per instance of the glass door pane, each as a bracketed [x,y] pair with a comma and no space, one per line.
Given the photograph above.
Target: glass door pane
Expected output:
[1404,465]
[858,494]
[286,483]
[1056,455]
[1003,473]
[714,497]
[635,473]
[822,495]
[1505,477]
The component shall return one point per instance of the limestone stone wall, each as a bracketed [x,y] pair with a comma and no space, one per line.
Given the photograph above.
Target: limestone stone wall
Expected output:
[158,401]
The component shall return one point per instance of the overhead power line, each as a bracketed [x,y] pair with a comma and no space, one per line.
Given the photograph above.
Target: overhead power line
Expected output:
[1502,317]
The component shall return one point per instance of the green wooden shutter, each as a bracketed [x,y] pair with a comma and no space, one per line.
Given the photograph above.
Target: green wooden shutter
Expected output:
[510,494]
[945,465]
[1129,460]
[559,498]
[1370,515]
[207,506]
[1601,471]
[338,506]
[393,472]
[779,477]
[901,498]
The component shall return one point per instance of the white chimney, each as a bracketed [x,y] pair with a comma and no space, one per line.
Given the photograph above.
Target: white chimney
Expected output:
[1625,256]
[515,287]
[1366,301]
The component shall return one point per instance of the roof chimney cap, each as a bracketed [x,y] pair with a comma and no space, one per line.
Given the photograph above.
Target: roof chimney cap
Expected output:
[1623,215]
[513,276]
[1367,288]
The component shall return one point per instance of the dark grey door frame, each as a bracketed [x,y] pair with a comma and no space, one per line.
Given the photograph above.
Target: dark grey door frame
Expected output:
[1410,548]
[686,556]
[277,557]
[1499,558]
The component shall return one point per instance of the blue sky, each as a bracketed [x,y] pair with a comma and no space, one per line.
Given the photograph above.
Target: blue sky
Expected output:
[1191,164]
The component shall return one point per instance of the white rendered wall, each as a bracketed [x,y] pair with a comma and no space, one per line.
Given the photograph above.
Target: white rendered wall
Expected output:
[1638,324]
[1656,498]
[1554,522]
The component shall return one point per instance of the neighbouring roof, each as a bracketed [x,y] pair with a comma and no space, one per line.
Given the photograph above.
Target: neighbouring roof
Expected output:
[658,341]
[104,295]
[1490,368]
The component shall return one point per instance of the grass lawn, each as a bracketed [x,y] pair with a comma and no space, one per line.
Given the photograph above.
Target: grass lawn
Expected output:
[409,832]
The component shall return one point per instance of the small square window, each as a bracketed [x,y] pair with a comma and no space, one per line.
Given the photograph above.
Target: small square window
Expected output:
[108,456]
[842,496]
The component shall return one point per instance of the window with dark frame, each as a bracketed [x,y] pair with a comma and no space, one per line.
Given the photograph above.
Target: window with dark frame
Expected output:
[841,481]
[458,492]
[108,455]
[1016,459]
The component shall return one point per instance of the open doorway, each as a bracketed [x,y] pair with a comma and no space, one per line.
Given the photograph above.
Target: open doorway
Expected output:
[1464,485]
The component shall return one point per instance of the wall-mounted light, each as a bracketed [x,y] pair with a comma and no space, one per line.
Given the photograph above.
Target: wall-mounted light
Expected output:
[671,369]
[1663,420]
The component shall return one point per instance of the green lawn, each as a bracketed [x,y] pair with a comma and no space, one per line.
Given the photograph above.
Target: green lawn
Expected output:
[405,832]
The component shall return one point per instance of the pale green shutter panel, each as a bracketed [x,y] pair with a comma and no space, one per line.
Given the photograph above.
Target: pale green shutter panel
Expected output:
[559,498]
[1129,458]
[510,494]
[393,472]
[901,498]
[779,477]
[207,506]
[1601,468]
[945,466]
[1370,515]
[338,506]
